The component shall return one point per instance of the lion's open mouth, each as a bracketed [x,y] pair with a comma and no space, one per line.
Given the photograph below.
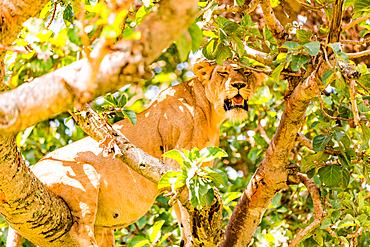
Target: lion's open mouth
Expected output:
[237,102]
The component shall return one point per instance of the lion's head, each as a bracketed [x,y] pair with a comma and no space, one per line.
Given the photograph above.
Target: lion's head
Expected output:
[228,87]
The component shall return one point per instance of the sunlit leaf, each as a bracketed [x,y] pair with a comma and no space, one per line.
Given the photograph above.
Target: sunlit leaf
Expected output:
[330,175]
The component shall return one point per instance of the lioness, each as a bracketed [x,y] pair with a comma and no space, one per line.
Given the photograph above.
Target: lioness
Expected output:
[102,192]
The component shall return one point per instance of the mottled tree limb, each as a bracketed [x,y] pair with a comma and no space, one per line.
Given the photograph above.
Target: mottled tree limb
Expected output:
[113,141]
[319,212]
[355,42]
[274,25]
[336,22]
[272,174]
[259,56]
[358,54]
[59,90]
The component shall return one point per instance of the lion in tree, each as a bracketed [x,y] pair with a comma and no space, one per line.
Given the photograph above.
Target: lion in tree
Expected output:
[103,193]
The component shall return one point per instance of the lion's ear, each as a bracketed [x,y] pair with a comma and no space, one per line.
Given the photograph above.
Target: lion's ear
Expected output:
[203,70]
[261,78]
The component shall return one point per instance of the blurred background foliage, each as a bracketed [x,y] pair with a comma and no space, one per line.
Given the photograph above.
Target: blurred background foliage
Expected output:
[338,162]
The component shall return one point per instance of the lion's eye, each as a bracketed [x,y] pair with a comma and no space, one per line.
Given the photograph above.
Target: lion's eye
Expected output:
[223,73]
[247,73]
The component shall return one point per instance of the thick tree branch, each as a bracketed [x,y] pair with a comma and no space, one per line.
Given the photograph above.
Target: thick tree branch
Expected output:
[33,102]
[272,174]
[336,22]
[113,141]
[274,25]
[259,56]
[319,212]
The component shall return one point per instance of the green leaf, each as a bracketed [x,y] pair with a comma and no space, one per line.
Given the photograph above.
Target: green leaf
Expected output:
[130,115]
[312,48]
[240,2]
[366,171]
[217,176]
[230,27]
[238,44]
[327,77]
[317,236]
[223,53]
[165,179]
[320,141]
[365,136]
[111,100]
[141,14]
[338,135]
[298,61]
[265,94]
[344,179]
[196,36]
[122,101]
[247,21]
[211,153]
[210,49]
[276,72]
[308,162]
[156,231]
[304,35]
[180,157]
[330,175]
[291,45]
[68,13]
[361,5]
[326,223]
[210,196]
[184,47]
[138,241]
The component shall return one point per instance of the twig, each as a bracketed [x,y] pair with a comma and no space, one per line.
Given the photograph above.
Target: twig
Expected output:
[251,68]
[206,8]
[358,54]
[245,8]
[53,15]
[115,142]
[319,212]
[313,8]
[355,42]
[308,144]
[354,22]
[364,88]
[327,59]
[8,48]
[262,130]
[352,84]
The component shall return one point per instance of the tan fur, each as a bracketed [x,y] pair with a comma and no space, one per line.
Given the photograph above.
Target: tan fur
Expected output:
[102,192]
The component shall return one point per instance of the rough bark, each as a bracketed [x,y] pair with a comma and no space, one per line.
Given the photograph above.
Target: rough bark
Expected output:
[272,174]
[28,206]
[25,202]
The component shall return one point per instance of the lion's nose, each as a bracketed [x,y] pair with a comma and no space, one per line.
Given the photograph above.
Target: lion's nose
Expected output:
[238,85]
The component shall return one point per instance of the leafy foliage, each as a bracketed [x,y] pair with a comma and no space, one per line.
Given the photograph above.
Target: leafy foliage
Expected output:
[199,180]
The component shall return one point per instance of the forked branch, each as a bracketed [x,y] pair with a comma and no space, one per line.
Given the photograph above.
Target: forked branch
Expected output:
[319,212]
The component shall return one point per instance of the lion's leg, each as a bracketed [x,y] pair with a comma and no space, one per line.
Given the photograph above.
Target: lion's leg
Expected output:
[183,219]
[104,237]
[14,239]
[82,199]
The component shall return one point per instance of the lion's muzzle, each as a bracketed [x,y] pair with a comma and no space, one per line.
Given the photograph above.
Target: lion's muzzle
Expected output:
[236,102]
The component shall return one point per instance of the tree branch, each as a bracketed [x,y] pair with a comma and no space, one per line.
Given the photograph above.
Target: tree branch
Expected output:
[58,91]
[259,56]
[319,212]
[358,54]
[274,25]
[113,141]
[355,22]
[355,42]
[246,8]
[336,22]
[272,174]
